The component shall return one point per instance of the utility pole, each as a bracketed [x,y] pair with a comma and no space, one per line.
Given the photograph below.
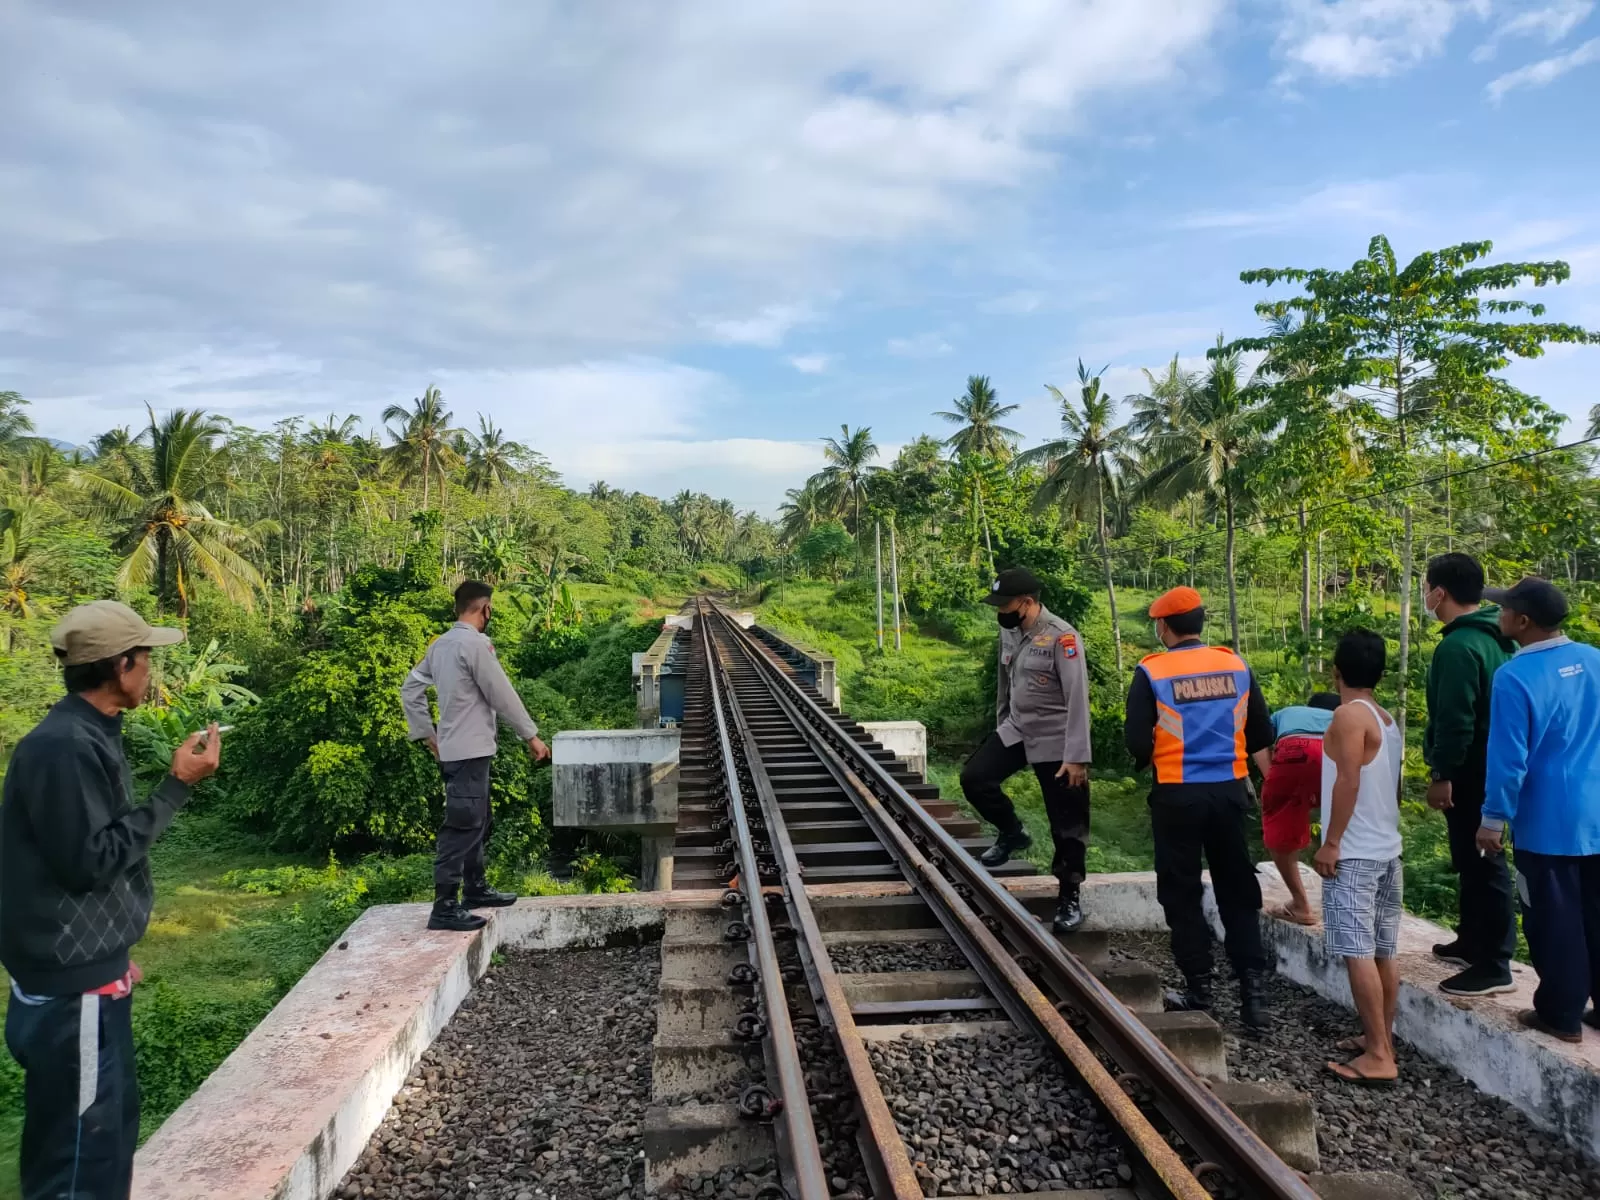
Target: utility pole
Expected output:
[877,551]
[894,584]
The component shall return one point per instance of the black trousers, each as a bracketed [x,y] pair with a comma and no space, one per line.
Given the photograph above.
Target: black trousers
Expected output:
[79,1130]
[1561,916]
[992,764]
[1189,821]
[1488,924]
[465,830]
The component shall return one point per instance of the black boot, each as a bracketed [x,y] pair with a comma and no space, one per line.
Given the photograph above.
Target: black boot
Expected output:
[1195,997]
[1253,1000]
[1069,913]
[487,897]
[1005,846]
[449,914]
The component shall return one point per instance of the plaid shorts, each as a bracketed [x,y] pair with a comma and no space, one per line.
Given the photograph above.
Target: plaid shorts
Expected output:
[1361,908]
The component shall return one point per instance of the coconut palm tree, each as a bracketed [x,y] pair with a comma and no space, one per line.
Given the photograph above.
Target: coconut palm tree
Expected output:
[1084,467]
[16,430]
[165,529]
[1157,409]
[420,445]
[1219,428]
[20,554]
[801,511]
[979,413]
[489,456]
[842,483]
[1594,422]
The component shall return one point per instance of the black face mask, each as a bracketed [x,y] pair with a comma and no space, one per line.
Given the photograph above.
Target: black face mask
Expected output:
[1009,620]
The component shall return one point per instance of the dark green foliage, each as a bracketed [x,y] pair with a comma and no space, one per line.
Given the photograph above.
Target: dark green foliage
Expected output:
[541,648]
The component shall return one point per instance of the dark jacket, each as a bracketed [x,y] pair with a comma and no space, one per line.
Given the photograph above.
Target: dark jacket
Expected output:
[1471,650]
[75,888]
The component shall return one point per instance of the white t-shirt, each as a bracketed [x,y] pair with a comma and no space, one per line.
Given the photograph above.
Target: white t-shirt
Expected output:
[1374,829]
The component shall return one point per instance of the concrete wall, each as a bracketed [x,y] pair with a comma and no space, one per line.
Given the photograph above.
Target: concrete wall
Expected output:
[907,740]
[615,778]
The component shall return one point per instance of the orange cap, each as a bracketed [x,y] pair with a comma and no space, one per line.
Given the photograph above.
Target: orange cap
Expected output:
[1178,600]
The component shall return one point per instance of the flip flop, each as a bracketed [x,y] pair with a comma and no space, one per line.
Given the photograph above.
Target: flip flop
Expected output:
[1352,1045]
[1283,912]
[1348,1074]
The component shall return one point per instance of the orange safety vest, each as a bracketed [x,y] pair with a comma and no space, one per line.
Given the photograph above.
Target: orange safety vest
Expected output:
[1201,694]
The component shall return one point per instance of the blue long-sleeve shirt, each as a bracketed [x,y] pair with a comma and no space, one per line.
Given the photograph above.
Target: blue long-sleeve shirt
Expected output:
[1544,749]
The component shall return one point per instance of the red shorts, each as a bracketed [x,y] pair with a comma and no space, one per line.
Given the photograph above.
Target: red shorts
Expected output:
[1293,788]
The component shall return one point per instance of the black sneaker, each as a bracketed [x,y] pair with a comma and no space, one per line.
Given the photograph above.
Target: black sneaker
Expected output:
[488,898]
[1253,1001]
[1452,952]
[1004,847]
[1479,981]
[1195,997]
[449,914]
[1069,914]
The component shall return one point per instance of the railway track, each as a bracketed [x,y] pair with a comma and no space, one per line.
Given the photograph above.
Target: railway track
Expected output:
[791,795]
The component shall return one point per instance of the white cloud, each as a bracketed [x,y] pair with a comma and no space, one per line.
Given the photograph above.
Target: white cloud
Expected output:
[810,364]
[1552,22]
[921,345]
[1544,72]
[766,328]
[1366,203]
[1343,40]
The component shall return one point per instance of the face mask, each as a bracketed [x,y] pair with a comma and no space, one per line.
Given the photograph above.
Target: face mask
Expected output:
[1009,620]
[1431,610]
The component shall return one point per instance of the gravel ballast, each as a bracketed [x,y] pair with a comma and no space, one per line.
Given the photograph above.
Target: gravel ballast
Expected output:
[855,958]
[994,1113]
[537,1087]
[1448,1138]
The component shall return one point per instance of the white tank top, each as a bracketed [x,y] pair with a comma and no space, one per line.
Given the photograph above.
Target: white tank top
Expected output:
[1374,829]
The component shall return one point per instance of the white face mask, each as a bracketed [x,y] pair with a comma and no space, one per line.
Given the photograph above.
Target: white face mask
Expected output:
[1431,610]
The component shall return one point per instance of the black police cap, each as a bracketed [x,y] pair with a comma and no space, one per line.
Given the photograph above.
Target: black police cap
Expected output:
[1011,583]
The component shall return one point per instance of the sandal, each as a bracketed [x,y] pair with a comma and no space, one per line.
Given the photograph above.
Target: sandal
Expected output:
[1282,912]
[1348,1073]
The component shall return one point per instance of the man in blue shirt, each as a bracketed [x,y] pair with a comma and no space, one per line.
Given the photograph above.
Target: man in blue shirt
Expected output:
[1544,780]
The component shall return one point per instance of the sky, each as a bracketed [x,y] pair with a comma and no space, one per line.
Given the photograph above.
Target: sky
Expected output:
[674,243]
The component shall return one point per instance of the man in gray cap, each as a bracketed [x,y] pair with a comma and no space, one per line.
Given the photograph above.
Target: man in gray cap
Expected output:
[75,895]
[1041,721]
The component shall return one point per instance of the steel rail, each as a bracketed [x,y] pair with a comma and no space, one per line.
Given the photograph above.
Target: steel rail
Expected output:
[1203,1120]
[893,1175]
[798,1136]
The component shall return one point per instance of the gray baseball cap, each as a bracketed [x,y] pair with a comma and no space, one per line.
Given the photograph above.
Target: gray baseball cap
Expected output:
[104,629]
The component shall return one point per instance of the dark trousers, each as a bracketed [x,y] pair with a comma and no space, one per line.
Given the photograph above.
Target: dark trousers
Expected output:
[465,830]
[1561,916]
[992,764]
[79,1131]
[1185,824]
[1488,925]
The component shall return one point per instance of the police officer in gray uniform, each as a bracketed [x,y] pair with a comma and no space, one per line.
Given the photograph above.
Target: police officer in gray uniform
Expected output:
[1042,721]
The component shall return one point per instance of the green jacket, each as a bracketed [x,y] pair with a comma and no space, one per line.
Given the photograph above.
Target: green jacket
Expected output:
[1470,651]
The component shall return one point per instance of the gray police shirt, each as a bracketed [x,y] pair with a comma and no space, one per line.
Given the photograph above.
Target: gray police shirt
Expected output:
[1043,696]
[473,689]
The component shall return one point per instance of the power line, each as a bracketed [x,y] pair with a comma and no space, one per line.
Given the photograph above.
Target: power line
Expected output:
[1379,493]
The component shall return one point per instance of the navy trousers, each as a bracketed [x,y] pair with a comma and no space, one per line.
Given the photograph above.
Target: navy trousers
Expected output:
[80,1123]
[1561,916]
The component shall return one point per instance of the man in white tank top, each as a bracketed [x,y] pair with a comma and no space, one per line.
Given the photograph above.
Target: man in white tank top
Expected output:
[1359,860]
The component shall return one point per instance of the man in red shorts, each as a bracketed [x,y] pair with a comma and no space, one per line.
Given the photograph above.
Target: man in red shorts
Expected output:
[1292,789]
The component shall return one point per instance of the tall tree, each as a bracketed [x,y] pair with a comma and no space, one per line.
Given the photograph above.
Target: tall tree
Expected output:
[1381,329]
[165,528]
[843,481]
[1220,427]
[1084,467]
[979,412]
[1594,422]
[421,442]
[16,429]
[490,457]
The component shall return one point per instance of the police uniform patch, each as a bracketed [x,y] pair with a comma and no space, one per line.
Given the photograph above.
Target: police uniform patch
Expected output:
[1042,641]
[1069,644]
[1190,689]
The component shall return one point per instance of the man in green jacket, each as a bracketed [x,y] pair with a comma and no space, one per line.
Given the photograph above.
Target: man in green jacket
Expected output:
[1455,747]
